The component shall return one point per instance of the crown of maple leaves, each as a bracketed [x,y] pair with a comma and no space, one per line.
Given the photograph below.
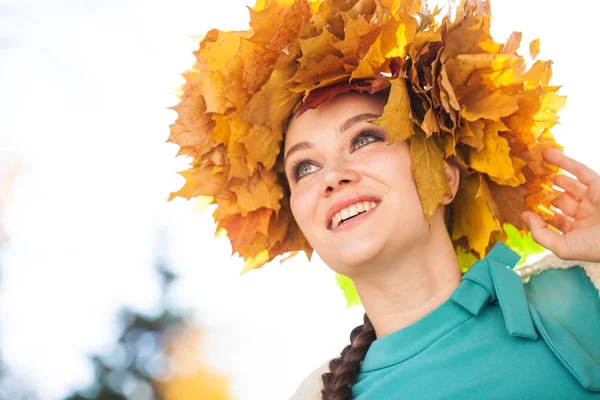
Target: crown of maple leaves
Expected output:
[454,94]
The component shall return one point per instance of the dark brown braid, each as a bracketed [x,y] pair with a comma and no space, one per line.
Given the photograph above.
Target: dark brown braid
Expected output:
[337,384]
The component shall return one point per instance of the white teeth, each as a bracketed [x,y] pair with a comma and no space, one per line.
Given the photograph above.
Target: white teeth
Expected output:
[337,218]
[345,213]
[351,211]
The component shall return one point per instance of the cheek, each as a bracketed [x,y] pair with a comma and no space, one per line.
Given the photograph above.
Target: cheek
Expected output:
[303,205]
[392,164]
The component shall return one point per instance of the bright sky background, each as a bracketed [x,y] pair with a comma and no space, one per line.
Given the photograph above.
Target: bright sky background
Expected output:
[84,89]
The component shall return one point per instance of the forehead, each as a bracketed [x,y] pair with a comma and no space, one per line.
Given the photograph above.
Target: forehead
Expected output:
[327,117]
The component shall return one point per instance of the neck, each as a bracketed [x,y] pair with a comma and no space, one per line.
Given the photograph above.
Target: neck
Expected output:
[411,285]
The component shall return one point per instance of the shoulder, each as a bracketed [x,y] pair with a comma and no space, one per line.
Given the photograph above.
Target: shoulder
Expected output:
[564,303]
[311,386]
[552,274]
[566,291]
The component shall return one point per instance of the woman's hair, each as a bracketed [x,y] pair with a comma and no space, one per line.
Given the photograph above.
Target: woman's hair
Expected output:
[337,384]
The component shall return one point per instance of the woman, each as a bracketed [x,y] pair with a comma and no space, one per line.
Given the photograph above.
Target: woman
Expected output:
[434,338]
[409,144]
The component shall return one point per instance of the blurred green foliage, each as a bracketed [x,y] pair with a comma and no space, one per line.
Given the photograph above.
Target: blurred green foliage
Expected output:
[131,370]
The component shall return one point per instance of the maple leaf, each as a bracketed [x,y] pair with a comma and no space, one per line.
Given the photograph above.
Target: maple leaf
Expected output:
[218,47]
[471,134]
[262,190]
[494,158]
[396,117]
[476,222]
[201,181]
[256,221]
[466,34]
[262,146]
[359,34]
[274,102]
[428,169]
[191,120]
[510,205]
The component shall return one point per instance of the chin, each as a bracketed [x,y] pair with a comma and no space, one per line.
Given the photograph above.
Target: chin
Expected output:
[355,255]
[351,258]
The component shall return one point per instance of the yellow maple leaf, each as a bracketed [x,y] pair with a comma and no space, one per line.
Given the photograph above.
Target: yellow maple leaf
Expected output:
[494,158]
[263,190]
[396,117]
[191,120]
[218,47]
[428,169]
[245,228]
[476,222]
[201,181]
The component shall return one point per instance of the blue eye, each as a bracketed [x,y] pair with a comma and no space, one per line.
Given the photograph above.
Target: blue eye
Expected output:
[301,168]
[365,137]
[362,141]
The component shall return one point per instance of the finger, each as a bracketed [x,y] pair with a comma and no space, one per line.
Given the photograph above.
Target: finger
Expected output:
[542,233]
[561,221]
[582,172]
[571,186]
[566,204]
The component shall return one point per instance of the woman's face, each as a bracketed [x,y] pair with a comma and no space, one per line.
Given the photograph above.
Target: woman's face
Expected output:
[352,194]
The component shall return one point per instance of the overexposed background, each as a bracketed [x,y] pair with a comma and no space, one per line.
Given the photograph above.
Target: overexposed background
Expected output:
[84,91]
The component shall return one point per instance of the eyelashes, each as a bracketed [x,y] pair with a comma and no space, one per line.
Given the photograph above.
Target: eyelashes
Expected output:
[297,168]
[365,133]
[305,166]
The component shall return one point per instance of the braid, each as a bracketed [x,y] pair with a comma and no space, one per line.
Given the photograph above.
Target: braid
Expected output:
[337,384]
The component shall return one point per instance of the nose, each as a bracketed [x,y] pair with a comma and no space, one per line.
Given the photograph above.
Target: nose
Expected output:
[338,176]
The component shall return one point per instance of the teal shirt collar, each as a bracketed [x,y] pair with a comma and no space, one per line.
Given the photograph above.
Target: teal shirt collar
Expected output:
[487,281]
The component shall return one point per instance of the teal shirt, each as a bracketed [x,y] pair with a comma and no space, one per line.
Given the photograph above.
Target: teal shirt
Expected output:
[495,338]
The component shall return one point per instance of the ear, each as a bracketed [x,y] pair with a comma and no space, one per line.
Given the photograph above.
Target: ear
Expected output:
[453,175]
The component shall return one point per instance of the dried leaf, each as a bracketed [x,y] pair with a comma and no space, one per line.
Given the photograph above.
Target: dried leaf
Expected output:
[396,117]
[476,221]
[512,43]
[244,229]
[428,169]
[494,159]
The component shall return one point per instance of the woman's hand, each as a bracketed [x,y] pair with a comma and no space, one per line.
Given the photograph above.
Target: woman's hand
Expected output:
[577,216]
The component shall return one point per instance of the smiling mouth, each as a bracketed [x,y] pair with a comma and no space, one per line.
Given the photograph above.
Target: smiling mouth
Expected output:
[350,212]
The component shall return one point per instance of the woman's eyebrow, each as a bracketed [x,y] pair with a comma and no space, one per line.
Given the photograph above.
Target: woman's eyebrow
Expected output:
[303,145]
[347,124]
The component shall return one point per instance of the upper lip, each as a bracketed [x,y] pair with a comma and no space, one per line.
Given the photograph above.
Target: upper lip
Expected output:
[346,202]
